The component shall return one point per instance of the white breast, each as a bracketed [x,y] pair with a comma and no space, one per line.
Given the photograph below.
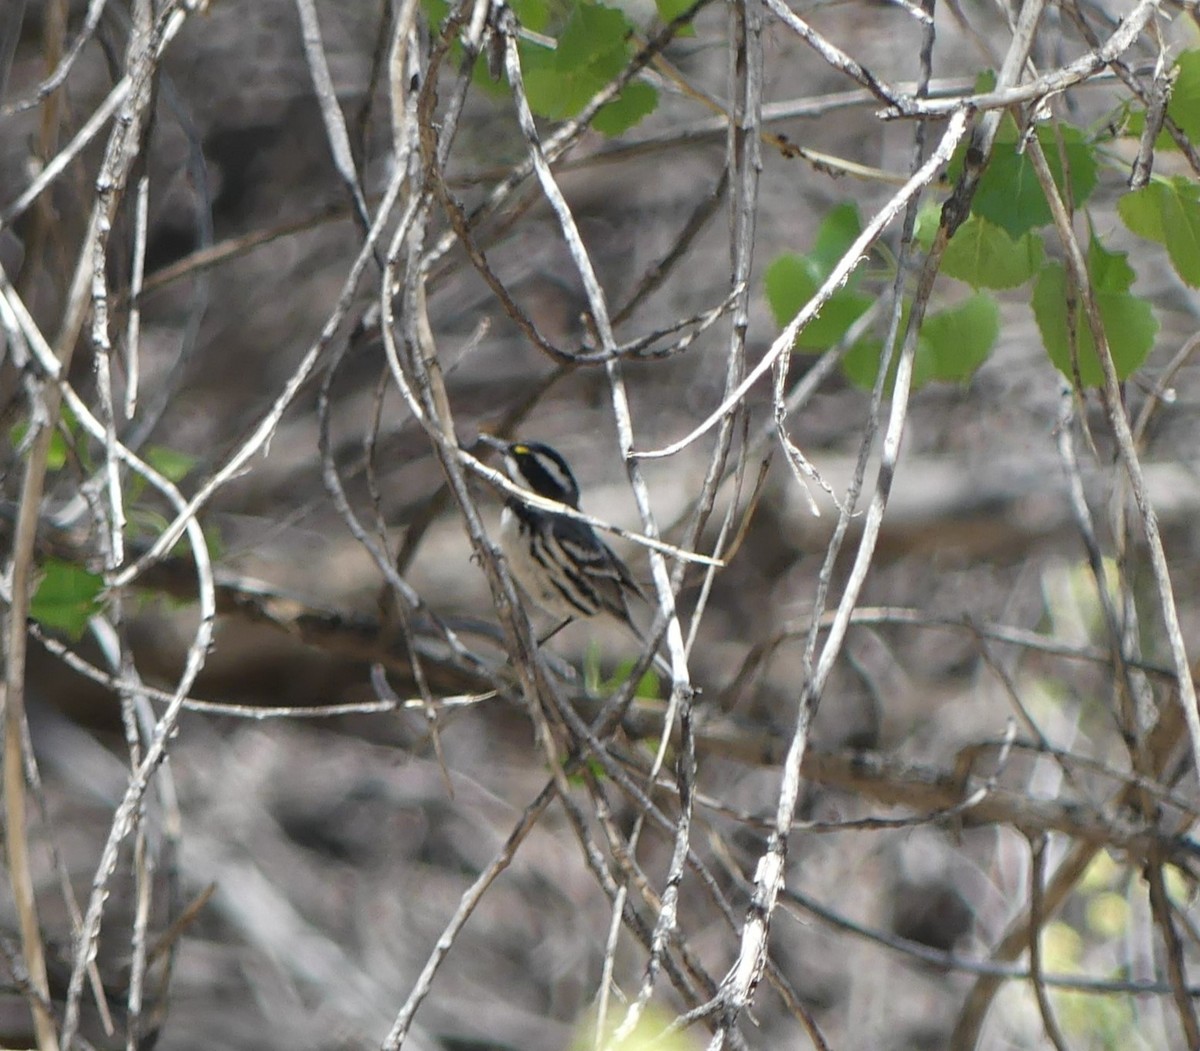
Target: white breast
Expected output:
[530,574]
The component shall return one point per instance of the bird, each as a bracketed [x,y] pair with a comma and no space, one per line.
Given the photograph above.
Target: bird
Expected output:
[559,561]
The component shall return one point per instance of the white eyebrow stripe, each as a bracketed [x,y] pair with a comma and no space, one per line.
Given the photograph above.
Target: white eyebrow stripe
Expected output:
[511,487]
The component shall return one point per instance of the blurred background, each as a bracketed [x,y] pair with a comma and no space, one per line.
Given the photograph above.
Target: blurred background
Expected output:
[324,856]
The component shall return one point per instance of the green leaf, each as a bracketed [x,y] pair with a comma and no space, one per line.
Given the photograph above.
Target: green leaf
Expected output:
[648,687]
[929,218]
[1128,321]
[951,346]
[436,11]
[1109,271]
[589,765]
[592,48]
[636,101]
[60,447]
[56,457]
[985,81]
[1168,211]
[532,14]
[1181,217]
[861,363]
[214,542]
[1184,105]
[1134,126]
[835,235]
[1141,211]
[1009,194]
[596,684]
[668,10]
[955,342]
[791,281]
[170,463]
[67,596]
[592,35]
[985,256]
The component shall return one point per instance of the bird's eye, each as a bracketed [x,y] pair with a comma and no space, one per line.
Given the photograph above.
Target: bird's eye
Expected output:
[520,450]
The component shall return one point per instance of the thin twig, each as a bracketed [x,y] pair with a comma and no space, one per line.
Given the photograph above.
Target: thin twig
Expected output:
[1119,421]
[1037,875]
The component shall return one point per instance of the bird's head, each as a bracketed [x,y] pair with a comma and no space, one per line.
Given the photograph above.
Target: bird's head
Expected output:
[537,467]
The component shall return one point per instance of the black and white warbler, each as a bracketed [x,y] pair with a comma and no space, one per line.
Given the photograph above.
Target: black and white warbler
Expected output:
[559,562]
